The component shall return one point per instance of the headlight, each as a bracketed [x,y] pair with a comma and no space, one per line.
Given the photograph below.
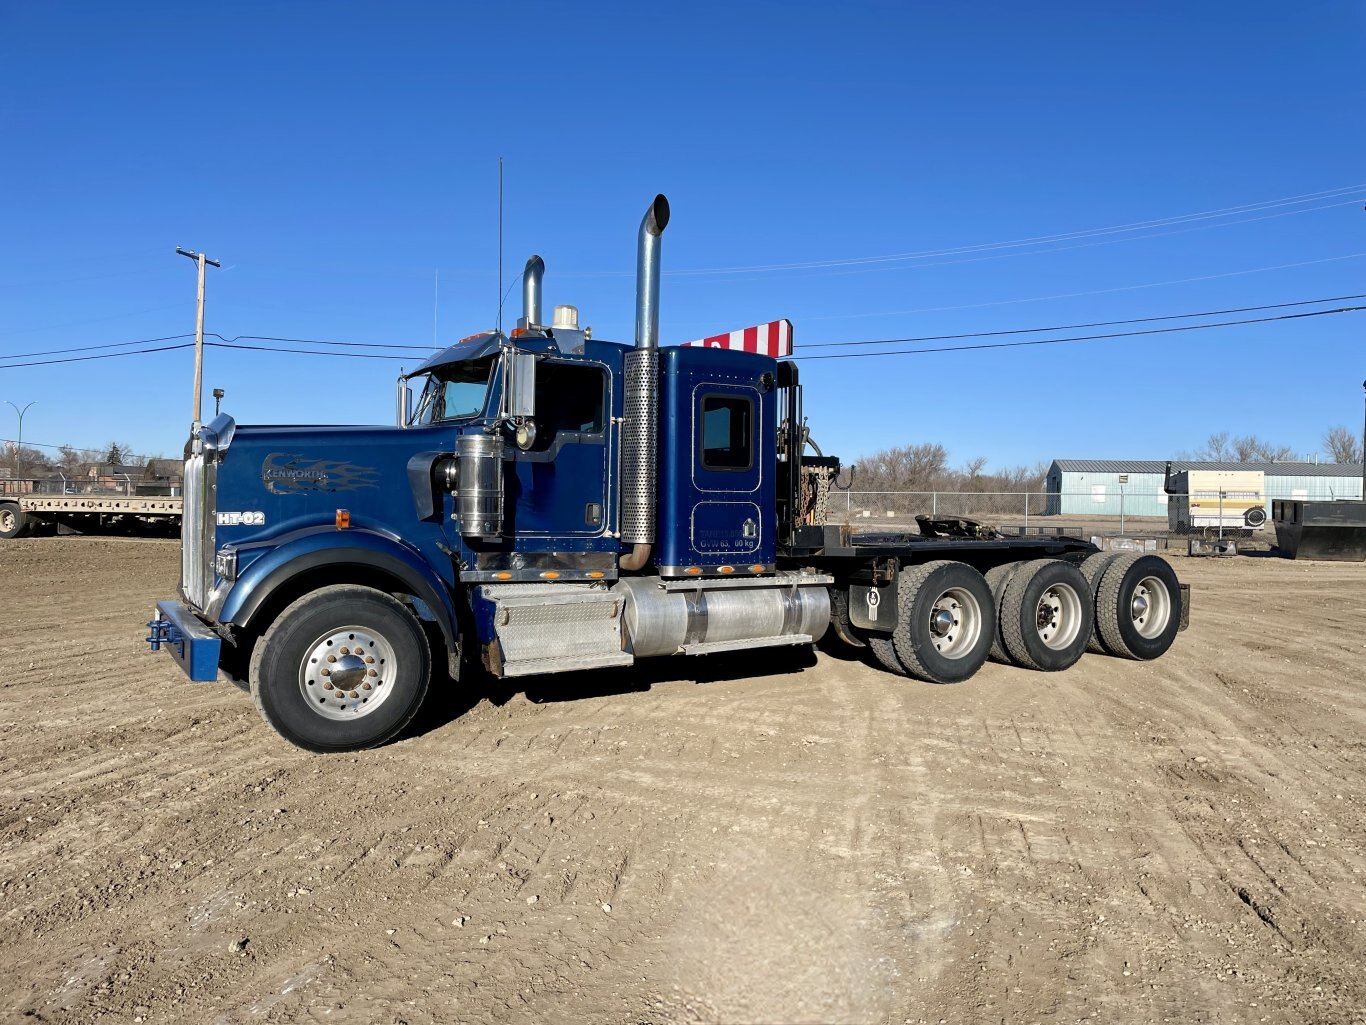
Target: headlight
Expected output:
[225,563]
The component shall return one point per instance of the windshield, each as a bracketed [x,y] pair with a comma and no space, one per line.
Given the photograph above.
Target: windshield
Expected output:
[453,392]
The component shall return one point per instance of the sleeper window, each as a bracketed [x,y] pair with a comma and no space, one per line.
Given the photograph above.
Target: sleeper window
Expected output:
[727,432]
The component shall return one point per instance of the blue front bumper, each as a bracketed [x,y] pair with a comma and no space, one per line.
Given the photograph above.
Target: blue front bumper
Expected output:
[192,644]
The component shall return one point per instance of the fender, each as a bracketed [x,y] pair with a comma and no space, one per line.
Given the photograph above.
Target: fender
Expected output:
[315,547]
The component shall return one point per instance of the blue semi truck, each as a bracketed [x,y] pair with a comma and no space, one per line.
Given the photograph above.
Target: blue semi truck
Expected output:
[548,501]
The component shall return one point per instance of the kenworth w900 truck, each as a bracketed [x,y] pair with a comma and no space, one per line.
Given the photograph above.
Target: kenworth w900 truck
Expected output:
[554,502]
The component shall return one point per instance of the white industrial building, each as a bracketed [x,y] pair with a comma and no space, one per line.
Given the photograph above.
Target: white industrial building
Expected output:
[1100,487]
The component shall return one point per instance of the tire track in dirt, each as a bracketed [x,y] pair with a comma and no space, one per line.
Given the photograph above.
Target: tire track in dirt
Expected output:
[775,840]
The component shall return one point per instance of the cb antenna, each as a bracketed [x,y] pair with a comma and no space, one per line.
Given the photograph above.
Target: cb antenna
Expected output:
[500,245]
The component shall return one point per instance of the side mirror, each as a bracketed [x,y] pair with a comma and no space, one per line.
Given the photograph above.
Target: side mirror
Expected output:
[520,388]
[403,402]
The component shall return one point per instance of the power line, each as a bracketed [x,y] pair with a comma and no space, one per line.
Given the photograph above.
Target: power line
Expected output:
[991,251]
[304,352]
[1083,338]
[1091,245]
[79,448]
[1077,327]
[106,355]
[209,334]
[91,348]
[234,342]
[1078,295]
[324,341]
[92,320]
[1037,240]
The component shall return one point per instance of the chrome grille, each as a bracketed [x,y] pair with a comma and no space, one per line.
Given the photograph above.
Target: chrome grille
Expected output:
[197,530]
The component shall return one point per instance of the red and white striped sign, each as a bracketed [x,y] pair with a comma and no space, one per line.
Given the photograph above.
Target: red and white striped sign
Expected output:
[771,339]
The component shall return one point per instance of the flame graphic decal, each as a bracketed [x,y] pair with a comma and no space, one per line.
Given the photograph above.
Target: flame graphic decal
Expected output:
[286,473]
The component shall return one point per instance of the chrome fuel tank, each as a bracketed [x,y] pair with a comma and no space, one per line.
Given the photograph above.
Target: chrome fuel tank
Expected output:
[665,617]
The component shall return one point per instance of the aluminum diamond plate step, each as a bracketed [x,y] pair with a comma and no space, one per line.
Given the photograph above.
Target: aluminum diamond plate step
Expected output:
[546,628]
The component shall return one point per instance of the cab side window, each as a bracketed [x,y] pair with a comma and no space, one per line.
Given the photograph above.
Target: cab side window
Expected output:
[570,397]
[727,432]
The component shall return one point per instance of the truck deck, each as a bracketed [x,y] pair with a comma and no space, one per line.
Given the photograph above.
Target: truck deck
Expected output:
[22,513]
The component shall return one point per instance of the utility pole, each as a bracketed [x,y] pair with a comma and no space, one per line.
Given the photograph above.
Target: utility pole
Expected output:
[202,261]
[19,448]
[1363,451]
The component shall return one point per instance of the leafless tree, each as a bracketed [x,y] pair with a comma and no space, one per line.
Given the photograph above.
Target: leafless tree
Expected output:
[1246,447]
[1217,448]
[1342,444]
[903,468]
[29,462]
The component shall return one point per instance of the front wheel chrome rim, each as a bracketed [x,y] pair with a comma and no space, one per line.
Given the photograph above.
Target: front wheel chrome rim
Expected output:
[955,623]
[1150,607]
[347,673]
[1057,618]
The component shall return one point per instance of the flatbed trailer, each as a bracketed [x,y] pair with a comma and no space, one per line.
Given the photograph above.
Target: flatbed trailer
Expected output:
[25,513]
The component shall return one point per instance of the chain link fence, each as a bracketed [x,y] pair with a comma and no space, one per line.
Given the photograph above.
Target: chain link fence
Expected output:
[124,484]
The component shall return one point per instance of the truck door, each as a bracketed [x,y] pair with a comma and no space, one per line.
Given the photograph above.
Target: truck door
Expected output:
[727,523]
[558,489]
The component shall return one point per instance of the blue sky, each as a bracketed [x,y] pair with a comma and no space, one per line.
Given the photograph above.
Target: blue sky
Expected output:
[336,157]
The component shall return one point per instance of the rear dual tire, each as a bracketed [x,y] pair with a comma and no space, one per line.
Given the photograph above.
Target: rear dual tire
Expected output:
[1093,569]
[1047,615]
[1138,607]
[998,579]
[946,621]
[884,651]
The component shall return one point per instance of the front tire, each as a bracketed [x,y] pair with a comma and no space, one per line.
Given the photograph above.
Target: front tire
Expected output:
[341,669]
[946,620]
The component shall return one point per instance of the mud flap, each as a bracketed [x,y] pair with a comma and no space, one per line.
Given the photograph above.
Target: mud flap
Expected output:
[1185,606]
[873,608]
[839,619]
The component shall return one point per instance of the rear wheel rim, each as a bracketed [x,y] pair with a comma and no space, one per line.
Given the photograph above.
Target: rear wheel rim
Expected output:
[955,623]
[347,673]
[6,520]
[1150,607]
[1058,616]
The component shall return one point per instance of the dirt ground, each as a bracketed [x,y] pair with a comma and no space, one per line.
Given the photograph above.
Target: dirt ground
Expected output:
[775,839]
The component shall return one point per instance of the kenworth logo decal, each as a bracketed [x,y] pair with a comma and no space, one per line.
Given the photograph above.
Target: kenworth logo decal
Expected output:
[285,473]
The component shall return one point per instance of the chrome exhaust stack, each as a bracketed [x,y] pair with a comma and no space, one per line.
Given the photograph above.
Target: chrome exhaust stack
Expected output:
[652,227]
[640,432]
[532,276]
